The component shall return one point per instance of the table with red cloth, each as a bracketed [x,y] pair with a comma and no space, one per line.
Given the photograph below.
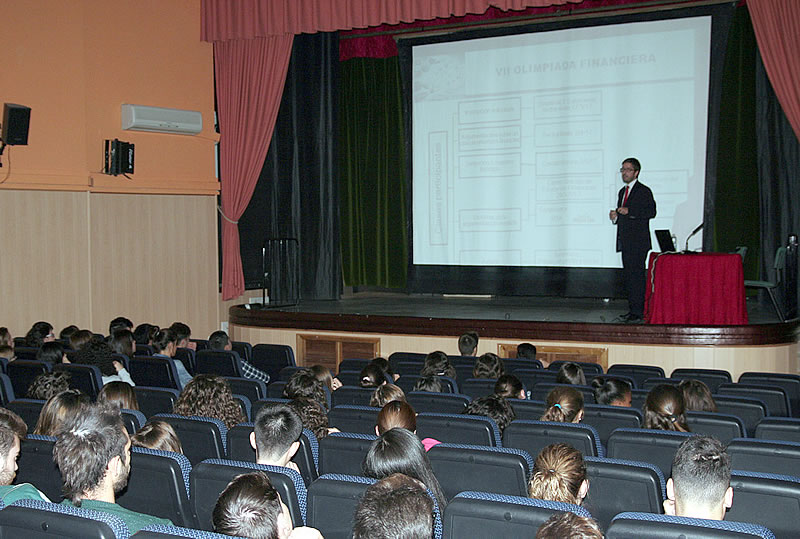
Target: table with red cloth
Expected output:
[702,289]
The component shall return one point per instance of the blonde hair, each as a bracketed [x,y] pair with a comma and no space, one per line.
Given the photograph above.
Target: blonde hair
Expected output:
[558,473]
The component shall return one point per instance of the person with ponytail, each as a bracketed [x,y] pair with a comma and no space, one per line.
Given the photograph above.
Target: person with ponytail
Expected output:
[664,409]
[564,405]
[559,475]
[612,391]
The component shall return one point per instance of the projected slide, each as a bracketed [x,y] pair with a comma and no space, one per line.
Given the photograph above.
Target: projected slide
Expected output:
[518,140]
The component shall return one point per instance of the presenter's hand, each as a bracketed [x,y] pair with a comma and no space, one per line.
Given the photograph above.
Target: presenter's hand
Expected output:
[613,216]
[622,211]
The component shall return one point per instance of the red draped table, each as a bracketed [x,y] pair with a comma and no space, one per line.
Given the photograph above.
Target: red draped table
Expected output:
[699,289]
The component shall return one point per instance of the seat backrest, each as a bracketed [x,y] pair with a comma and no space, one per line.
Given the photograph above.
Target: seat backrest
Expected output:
[87,378]
[654,446]
[352,395]
[156,400]
[22,372]
[766,456]
[133,419]
[533,436]
[482,514]
[188,358]
[476,388]
[458,429]
[143,350]
[245,405]
[638,398]
[395,357]
[219,362]
[639,373]
[343,452]
[713,378]
[786,429]
[201,437]
[36,466]
[353,364]
[446,403]
[770,500]
[36,519]
[774,397]
[200,344]
[407,368]
[275,389]
[607,418]
[789,382]
[622,485]
[489,469]
[626,525]
[352,418]
[527,409]
[287,372]
[271,358]
[158,485]
[252,389]
[723,427]
[531,377]
[306,458]
[210,477]
[463,372]
[650,383]
[349,378]
[512,364]
[6,389]
[28,410]
[589,369]
[750,411]
[154,372]
[244,349]
[161,531]
[407,382]
[27,353]
[541,390]
[332,501]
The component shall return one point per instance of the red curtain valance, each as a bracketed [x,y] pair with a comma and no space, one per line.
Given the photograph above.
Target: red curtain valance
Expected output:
[223,20]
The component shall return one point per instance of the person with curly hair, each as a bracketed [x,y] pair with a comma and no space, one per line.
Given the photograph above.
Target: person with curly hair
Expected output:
[303,384]
[98,353]
[48,384]
[313,416]
[489,365]
[209,395]
[40,332]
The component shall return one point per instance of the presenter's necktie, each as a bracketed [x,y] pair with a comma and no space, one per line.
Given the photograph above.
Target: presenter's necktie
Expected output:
[625,199]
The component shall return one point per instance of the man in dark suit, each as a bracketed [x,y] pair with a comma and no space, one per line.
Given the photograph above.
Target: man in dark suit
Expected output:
[635,208]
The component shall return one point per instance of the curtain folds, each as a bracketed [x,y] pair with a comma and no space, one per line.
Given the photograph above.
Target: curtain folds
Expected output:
[777,28]
[247,19]
[249,77]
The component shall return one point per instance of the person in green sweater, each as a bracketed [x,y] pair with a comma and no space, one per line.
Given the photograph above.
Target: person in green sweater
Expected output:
[93,453]
[12,430]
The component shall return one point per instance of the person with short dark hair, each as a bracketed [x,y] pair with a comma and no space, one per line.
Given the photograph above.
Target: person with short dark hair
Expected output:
[568,525]
[79,338]
[96,352]
[67,332]
[489,365]
[52,353]
[383,364]
[183,335]
[143,334]
[251,507]
[571,373]
[509,386]
[494,407]
[664,409]
[468,343]
[397,507]
[371,376]
[122,342]
[276,435]
[612,391]
[165,343]
[119,323]
[700,486]
[526,350]
[93,453]
[40,332]
[219,340]
[12,431]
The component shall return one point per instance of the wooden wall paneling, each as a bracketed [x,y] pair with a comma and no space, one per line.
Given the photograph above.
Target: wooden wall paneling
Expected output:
[329,350]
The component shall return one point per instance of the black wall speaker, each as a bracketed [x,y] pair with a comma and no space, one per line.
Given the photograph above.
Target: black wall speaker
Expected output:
[16,121]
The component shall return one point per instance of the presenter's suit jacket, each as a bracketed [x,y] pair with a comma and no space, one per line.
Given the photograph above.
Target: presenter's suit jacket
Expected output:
[633,230]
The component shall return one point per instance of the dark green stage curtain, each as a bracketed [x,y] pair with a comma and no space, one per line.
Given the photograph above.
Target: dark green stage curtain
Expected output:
[737,213]
[374,239]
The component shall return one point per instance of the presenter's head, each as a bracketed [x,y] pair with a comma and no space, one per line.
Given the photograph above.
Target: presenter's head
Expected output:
[630,169]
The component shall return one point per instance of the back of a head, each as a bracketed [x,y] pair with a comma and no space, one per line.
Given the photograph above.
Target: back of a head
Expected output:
[144,332]
[47,384]
[697,396]
[209,395]
[58,409]
[181,330]
[371,376]
[12,427]
[85,446]
[218,340]
[494,407]
[51,352]
[468,343]
[383,364]
[611,391]
[122,342]
[323,374]
[98,353]
[276,428]
[401,510]
[6,351]
[526,350]
[67,332]
[80,338]
[431,384]
[558,473]
[564,405]
[509,386]
[397,414]
[119,394]
[489,365]
[438,364]
[119,323]
[569,526]
[664,409]
[313,416]
[159,435]
[386,393]
[249,507]
[38,333]
[571,373]
[162,339]
[5,337]
[701,473]
[304,385]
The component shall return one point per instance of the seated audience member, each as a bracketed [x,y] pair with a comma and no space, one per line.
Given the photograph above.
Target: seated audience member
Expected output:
[400,415]
[323,374]
[219,340]
[612,391]
[165,343]
[700,486]
[571,373]
[526,350]
[118,324]
[400,451]
[48,384]
[79,338]
[438,364]
[119,394]
[508,386]
[209,395]
[251,507]
[183,335]
[664,409]
[313,416]
[52,352]
[493,407]
[58,409]
[384,365]
[468,344]
[276,435]
[7,352]
[40,332]
[431,384]
[144,333]
[371,376]
[96,352]
[122,342]
[569,526]
[12,431]
[397,507]
[489,365]
[559,475]
[304,385]
[564,405]
[697,396]
[67,332]
[386,393]
[93,453]
[5,337]
[159,435]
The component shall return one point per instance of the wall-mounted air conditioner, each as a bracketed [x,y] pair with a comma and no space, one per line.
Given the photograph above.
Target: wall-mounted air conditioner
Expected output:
[161,120]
